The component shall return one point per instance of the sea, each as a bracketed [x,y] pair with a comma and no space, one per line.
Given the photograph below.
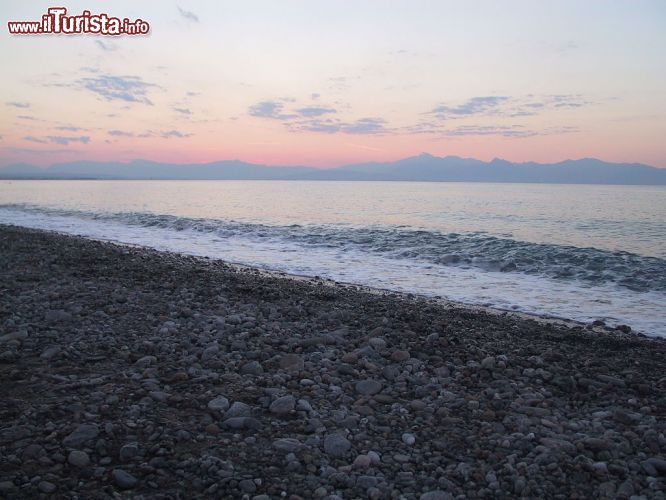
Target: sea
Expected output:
[574,252]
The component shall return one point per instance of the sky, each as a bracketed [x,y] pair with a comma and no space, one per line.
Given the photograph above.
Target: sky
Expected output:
[327,83]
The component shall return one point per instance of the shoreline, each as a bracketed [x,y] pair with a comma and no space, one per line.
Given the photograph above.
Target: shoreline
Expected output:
[129,371]
[599,327]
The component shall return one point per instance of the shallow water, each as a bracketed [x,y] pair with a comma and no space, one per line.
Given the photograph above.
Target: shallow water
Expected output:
[578,252]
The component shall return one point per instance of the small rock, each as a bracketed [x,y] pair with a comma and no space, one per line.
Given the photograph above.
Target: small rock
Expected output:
[219,404]
[80,436]
[238,409]
[289,445]
[128,452]
[362,462]
[50,352]
[408,439]
[78,458]
[400,356]
[368,387]
[247,485]
[488,363]
[238,423]
[123,479]
[336,445]
[252,368]
[46,487]
[283,405]
[436,495]
[145,362]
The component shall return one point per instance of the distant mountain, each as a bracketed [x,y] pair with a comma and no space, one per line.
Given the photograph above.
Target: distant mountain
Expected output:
[424,167]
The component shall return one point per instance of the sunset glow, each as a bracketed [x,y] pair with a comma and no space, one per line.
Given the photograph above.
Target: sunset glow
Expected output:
[330,83]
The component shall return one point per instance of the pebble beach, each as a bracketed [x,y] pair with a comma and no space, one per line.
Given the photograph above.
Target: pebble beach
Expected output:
[131,373]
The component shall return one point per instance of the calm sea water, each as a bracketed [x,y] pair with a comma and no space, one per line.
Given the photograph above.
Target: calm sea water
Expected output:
[569,251]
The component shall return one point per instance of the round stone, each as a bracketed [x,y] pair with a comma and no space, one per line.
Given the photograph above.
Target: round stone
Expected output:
[220,403]
[78,458]
[368,387]
[336,445]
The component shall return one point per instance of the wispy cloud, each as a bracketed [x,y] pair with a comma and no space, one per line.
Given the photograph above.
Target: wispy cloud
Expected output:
[59,139]
[190,16]
[26,117]
[117,88]
[269,109]
[21,105]
[473,106]
[314,111]
[174,133]
[184,111]
[70,128]
[31,138]
[106,46]
[516,131]
[362,126]
[512,107]
[120,133]
[41,152]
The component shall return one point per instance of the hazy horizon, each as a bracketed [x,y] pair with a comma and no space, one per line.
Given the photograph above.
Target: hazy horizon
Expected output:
[323,85]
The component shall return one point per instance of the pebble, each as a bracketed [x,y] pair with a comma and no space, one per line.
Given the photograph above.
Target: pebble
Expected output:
[78,458]
[218,404]
[124,479]
[336,445]
[336,392]
[408,439]
[368,387]
[283,405]
[400,356]
[80,436]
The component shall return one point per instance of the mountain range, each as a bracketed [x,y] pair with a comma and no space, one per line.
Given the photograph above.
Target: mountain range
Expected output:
[424,167]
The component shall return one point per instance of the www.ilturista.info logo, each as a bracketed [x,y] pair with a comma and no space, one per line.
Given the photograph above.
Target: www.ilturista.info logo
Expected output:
[56,21]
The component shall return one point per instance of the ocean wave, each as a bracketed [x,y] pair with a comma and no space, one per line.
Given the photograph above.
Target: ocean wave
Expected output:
[466,250]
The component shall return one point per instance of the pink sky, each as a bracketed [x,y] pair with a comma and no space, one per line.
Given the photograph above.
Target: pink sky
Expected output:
[310,84]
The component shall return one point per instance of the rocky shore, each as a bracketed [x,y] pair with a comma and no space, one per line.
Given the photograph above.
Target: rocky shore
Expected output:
[129,373]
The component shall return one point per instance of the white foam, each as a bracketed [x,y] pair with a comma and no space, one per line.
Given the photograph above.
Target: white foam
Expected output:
[531,294]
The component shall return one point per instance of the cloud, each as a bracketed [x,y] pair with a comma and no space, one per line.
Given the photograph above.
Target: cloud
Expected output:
[185,111]
[314,111]
[515,131]
[22,105]
[59,139]
[34,139]
[120,133]
[362,126]
[314,96]
[118,88]
[567,101]
[512,107]
[70,128]
[106,46]
[41,151]
[473,106]
[190,16]
[269,109]
[173,133]
[312,119]
[26,117]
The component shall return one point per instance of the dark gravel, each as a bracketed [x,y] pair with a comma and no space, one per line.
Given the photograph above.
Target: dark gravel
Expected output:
[126,372]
